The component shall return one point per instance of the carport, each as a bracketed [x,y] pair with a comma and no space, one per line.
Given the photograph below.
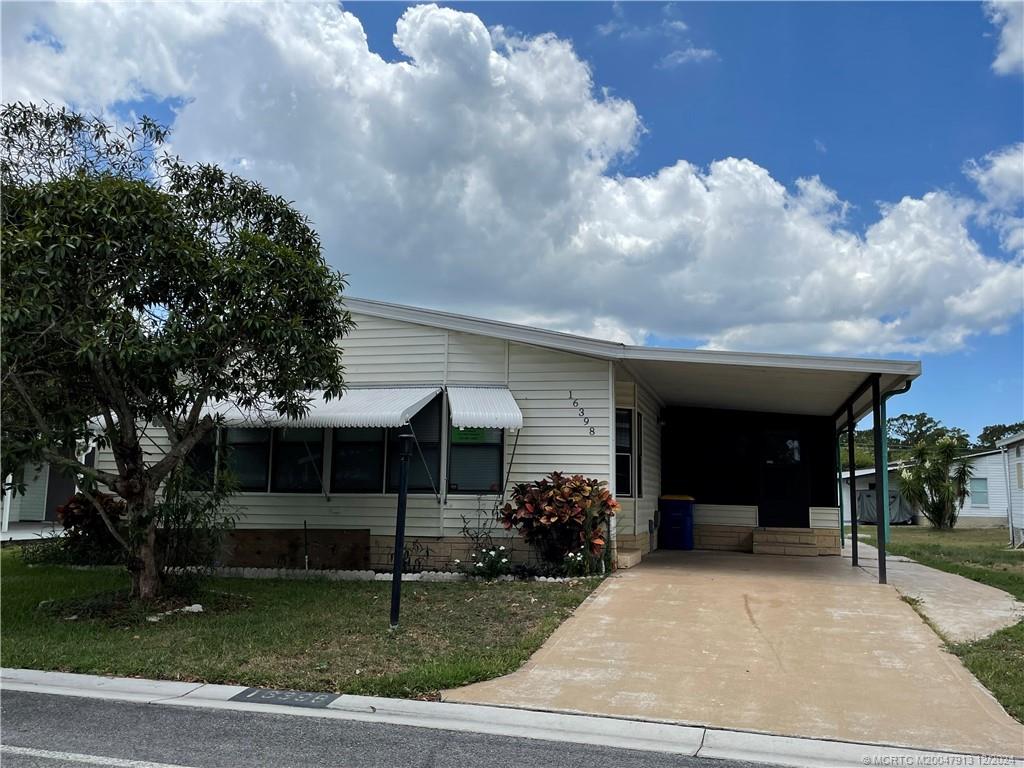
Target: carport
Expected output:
[755,439]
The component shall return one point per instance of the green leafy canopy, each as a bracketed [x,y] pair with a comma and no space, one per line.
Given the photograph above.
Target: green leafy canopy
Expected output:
[138,288]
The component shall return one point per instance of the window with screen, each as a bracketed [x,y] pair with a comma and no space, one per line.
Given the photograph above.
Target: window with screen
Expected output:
[298,460]
[979,491]
[357,460]
[474,460]
[623,452]
[425,472]
[202,462]
[248,457]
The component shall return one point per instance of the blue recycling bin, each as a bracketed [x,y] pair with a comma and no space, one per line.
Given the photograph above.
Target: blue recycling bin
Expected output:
[676,529]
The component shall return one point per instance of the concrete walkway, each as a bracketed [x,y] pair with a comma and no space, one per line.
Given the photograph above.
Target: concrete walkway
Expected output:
[31,531]
[961,609]
[786,645]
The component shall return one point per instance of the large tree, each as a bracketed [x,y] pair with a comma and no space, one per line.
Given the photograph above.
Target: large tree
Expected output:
[990,435]
[137,291]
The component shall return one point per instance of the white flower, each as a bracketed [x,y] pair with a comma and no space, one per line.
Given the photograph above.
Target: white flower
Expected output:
[504,559]
[492,553]
[479,565]
[501,549]
[457,562]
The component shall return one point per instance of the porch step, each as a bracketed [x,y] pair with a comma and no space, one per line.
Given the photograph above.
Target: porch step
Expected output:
[785,541]
[802,550]
[627,558]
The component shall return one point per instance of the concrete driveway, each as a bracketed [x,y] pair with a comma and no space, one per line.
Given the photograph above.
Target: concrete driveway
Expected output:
[786,645]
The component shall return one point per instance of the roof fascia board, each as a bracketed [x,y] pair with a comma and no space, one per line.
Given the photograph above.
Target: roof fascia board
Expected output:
[1010,440]
[609,350]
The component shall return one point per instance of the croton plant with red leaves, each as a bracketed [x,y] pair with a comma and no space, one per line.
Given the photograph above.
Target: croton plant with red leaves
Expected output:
[560,514]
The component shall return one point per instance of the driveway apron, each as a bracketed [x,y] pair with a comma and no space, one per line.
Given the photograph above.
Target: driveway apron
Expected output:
[786,645]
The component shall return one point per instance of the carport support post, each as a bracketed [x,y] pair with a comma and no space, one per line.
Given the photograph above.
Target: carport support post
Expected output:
[881,475]
[851,429]
[405,452]
[839,485]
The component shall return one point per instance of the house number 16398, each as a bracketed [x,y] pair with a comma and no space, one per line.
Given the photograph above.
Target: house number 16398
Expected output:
[582,412]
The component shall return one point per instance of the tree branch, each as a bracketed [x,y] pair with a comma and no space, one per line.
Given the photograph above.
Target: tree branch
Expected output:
[106,520]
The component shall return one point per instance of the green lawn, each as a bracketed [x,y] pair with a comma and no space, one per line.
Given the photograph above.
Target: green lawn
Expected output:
[981,555]
[319,636]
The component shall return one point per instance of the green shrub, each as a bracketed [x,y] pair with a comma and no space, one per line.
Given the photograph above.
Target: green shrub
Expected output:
[87,540]
[560,514]
[49,550]
[487,563]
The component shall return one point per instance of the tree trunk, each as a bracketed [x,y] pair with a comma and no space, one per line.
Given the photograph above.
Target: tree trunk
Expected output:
[147,582]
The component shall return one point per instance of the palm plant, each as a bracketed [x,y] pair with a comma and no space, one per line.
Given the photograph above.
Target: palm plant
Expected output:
[938,481]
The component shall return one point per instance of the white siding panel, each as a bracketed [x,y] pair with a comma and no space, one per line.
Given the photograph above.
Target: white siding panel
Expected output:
[554,436]
[388,352]
[476,359]
[31,505]
[1016,469]
[824,517]
[992,469]
[646,506]
[725,514]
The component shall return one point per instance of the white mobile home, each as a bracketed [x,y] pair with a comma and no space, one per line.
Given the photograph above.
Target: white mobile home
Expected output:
[1012,450]
[985,506]
[493,404]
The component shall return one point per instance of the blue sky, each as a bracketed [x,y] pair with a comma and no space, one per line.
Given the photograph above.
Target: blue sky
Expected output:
[838,178]
[881,100]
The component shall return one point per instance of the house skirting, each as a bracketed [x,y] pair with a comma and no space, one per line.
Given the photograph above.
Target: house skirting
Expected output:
[729,538]
[977,521]
[796,541]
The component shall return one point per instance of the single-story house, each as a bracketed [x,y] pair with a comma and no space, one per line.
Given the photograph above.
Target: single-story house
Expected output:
[1012,449]
[752,437]
[45,490]
[984,507]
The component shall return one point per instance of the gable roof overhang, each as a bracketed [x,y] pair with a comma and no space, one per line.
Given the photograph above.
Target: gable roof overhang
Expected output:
[747,381]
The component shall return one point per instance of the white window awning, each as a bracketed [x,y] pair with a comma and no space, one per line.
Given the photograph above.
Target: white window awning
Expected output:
[484,407]
[369,407]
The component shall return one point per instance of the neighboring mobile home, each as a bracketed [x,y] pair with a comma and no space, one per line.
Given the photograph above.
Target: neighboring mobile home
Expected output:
[751,436]
[984,507]
[1012,449]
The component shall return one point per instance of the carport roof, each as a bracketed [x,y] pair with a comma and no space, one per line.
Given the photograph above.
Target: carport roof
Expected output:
[748,381]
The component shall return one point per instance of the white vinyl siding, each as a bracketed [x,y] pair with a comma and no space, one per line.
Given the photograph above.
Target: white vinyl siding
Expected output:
[31,505]
[824,517]
[383,352]
[992,505]
[476,359]
[725,514]
[389,352]
[1016,468]
[636,511]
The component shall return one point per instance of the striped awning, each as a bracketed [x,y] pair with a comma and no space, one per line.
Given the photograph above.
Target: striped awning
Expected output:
[484,407]
[368,407]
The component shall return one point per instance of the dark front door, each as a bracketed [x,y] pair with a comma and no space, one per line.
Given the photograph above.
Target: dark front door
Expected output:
[783,501]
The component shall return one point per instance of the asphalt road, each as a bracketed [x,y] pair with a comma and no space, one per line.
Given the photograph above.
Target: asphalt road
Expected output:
[44,731]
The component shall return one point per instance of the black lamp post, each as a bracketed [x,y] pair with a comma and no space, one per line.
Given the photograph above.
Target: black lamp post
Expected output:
[405,452]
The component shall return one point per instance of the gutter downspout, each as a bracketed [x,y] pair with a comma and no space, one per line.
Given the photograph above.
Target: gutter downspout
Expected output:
[883,514]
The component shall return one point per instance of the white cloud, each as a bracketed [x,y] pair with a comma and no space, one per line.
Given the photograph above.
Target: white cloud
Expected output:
[1000,179]
[475,176]
[1008,15]
[686,55]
